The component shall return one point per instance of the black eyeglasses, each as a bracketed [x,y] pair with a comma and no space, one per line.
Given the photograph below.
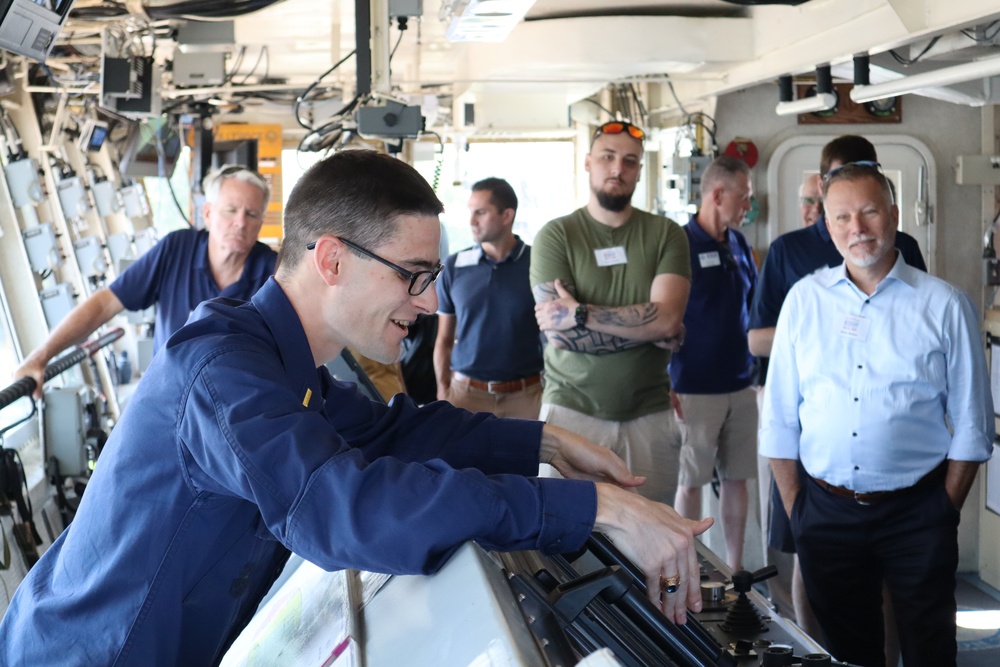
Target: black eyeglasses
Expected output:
[618,127]
[419,280]
[869,164]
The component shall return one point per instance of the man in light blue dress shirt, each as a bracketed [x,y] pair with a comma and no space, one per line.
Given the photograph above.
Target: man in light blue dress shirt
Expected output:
[877,415]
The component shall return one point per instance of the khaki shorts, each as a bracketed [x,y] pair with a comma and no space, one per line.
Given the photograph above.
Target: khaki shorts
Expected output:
[718,431]
[522,404]
[649,445]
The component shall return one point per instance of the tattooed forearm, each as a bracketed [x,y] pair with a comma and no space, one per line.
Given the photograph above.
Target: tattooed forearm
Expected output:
[626,316]
[590,342]
[547,291]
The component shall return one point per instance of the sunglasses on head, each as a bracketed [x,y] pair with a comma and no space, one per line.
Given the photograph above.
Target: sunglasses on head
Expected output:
[618,127]
[860,163]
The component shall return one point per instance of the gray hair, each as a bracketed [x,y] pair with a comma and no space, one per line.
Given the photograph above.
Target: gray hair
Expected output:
[212,183]
[852,172]
[723,169]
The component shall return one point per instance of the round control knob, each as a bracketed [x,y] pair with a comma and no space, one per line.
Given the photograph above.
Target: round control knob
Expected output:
[713,591]
[776,656]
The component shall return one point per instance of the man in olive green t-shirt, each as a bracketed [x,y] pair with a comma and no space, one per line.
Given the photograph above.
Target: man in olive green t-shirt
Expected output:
[611,284]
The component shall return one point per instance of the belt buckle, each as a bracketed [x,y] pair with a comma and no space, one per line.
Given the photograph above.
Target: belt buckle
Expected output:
[857,499]
[490,384]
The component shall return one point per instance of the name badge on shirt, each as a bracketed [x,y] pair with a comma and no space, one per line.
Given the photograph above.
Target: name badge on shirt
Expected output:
[856,327]
[611,256]
[467,258]
[709,259]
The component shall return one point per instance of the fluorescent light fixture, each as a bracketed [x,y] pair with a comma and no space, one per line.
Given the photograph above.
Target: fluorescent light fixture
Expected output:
[820,102]
[482,20]
[880,74]
[944,76]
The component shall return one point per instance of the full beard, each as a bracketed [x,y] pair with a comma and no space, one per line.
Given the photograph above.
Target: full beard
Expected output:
[613,203]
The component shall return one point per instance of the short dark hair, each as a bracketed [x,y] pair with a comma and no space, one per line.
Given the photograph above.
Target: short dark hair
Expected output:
[501,194]
[848,148]
[357,194]
[722,170]
[852,172]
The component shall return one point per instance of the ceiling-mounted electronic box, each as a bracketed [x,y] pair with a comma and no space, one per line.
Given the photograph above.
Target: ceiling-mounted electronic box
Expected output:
[29,27]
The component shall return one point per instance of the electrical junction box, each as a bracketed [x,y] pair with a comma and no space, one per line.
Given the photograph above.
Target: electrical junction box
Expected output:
[72,197]
[406,8]
[56,303]
[105,198]
[393,120]
[134,200]
[41,247]
[977,170]
[23,182]
[90,257]
[688,171]
[199,69]
[205,36]
[66,429]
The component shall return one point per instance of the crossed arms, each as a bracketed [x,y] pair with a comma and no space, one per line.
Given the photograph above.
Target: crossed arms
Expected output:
[611,329]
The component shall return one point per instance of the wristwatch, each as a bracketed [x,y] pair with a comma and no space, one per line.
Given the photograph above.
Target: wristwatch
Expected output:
[580,315]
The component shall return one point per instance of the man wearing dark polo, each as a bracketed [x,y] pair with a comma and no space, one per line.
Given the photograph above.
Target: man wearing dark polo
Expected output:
[488,355]
[712,372]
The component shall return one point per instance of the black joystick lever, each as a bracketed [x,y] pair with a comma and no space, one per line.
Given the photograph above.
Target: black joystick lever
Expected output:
[742,617]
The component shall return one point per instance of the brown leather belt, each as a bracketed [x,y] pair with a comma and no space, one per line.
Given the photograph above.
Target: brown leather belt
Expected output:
[874,497]
[495,387]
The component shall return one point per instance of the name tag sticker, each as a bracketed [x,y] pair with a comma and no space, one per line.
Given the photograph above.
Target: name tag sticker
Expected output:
[467,258]
[709,259]
[856,327]
[611,256]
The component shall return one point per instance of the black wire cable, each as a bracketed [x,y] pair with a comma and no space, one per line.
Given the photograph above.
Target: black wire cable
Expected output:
[161,158]
[986,37]
[236,66]
[670,85]
[902,60]
[599,106]
[402,29]
[263,51]
[302,98]
[638,101]
[207,8]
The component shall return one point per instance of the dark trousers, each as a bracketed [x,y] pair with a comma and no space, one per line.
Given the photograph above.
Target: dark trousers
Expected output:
[846,550]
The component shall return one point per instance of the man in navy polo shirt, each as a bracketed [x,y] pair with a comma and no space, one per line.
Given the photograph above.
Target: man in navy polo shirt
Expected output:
[793,256]
[712,372]
[182,270]
[494,363]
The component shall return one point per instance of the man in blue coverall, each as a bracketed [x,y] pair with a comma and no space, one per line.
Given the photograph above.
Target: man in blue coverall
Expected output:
[238,446]
[185,268]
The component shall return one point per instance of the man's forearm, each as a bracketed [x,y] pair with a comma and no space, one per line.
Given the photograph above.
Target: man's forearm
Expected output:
[760,341]
[580,339]
[442,364]
[80,323]
[643,322]
[959,479]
